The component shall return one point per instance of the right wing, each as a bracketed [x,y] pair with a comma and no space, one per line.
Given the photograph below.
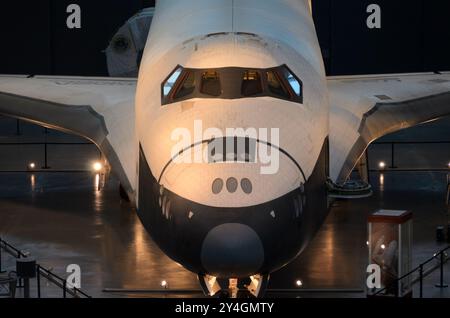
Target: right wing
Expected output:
[365,108]
[98,109]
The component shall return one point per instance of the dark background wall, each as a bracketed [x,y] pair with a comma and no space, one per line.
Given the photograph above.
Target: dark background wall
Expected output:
[414,36]
[35,39]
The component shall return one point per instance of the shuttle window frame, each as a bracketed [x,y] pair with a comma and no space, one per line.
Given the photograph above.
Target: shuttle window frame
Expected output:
[231,83]
[182,90]
[251,85]
[170,82]
[279,88]
[211,84]
[293,81]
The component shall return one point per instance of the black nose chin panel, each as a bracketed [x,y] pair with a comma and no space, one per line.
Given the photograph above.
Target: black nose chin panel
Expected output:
[232,249]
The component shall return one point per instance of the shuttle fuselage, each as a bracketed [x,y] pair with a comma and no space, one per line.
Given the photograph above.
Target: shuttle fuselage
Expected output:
[252,68]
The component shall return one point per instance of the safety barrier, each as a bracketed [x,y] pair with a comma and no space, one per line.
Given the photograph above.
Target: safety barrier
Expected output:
[41,272]
[443,258]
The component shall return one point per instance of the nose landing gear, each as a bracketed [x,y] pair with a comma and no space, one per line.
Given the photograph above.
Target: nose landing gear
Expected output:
[256,288]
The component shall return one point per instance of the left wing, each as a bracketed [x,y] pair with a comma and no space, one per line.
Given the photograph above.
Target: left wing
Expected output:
[365,108]
[98,109]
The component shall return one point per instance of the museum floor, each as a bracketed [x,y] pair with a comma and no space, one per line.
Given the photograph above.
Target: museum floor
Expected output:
[60,219]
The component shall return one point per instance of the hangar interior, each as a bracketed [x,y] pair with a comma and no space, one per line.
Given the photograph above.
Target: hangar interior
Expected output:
[61,212]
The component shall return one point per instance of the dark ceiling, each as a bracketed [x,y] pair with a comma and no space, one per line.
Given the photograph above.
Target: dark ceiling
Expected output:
[414,37]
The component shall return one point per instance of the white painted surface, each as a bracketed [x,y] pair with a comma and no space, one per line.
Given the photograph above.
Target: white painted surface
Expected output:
[353,96]
[283,34]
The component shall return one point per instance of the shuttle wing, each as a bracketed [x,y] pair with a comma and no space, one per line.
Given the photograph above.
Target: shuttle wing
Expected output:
[365,108]
[98,109]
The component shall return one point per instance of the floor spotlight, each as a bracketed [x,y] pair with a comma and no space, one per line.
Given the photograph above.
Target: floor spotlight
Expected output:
[97,167]
[382,165]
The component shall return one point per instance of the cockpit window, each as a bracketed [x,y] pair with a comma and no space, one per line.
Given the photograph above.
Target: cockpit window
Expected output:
[251,83]
[293,82]
[232,83]
[276,85]
[170,82]
[211,83]
[187,85]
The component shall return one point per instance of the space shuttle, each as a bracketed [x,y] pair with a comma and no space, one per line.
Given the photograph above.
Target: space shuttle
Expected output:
[214,74]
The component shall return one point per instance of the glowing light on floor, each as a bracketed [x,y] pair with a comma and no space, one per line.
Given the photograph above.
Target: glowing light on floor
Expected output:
[299,283]
[33,182]
[164,284]
[382,165]
[97,167]
[97,182]
[32,166]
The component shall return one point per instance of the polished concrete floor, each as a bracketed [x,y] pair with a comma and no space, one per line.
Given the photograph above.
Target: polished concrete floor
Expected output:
[61,219]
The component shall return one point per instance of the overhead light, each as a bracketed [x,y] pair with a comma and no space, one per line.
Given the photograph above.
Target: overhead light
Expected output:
[299,283]
[97,166]
[367,243]
[31,166]
[383,246]
[382,165]
[164,284]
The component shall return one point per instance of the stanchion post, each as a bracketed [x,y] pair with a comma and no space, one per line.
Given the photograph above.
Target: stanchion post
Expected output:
[1,269]
[393,156]
[441,282]
[38,280]
[421,280]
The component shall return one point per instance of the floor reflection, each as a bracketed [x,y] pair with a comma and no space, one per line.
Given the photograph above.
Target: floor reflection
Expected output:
[63,219]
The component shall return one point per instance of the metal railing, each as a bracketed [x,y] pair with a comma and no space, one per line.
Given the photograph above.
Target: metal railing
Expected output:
[46,144]
[57,281]
[392,164]
[10,250]
[42,272]
[443,258]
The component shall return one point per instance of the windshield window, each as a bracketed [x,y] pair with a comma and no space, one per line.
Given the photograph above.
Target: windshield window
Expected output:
[232,83]
[294,83]
[251,83]
[211,83]
[170,83]
[187,87]
[275,85]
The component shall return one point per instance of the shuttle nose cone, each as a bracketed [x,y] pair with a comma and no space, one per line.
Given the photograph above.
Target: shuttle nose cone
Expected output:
[232,250]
